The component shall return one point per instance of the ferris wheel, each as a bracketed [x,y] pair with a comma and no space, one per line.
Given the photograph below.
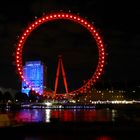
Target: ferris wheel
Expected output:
[63,16]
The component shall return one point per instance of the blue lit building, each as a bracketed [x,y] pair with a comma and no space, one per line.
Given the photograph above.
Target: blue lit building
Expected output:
[35,73]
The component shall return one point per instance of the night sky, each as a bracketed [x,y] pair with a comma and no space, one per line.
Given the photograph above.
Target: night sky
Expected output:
[117,22]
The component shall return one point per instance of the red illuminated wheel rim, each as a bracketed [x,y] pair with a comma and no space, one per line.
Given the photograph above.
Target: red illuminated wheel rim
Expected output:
[66,16]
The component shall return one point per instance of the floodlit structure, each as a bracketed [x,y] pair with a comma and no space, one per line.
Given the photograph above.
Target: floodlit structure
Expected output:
[60,65]
[35,73]
[63,16]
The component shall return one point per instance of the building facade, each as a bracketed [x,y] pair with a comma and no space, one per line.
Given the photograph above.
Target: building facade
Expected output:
[35,73]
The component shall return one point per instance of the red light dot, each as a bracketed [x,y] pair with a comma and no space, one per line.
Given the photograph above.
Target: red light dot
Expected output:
[33,25]
[22,37]
[18,49]
[54,15]
[36,23]
[91,28]
[94,80]
[63,15]
[58,15]
[19,45]
[74,17]
[67,15]
[21,41]
[99,38]
[102,49]
[30,28]
[70,16]
[78,18]
[96,34]
[82,20]
[43,19]
[27,31]
[88,25]
[39,20]
[47,17]
[85,23]
[100,41]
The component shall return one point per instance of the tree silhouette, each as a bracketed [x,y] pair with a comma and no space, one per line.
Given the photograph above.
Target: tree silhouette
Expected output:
[7,96]
[32,96]
[21,97]
[1,96]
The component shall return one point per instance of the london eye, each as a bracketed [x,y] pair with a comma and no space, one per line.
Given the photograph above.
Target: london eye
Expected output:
[70,17]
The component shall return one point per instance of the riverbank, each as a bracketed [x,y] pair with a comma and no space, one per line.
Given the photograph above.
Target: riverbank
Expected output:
[69,106]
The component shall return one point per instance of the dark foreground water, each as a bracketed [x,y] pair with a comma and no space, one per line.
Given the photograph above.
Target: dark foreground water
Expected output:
[70,124]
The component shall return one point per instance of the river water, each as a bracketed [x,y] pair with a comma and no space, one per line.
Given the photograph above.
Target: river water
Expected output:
[47,116]
[64,115]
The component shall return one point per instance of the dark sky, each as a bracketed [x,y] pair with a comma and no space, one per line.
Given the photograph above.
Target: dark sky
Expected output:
[117,22]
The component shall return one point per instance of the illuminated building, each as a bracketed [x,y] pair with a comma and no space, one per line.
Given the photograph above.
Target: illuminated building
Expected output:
[35,73]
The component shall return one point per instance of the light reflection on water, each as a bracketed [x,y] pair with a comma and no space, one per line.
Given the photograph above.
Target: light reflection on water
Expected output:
[47,115]
[104,138]
[28,115]
[65,115]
